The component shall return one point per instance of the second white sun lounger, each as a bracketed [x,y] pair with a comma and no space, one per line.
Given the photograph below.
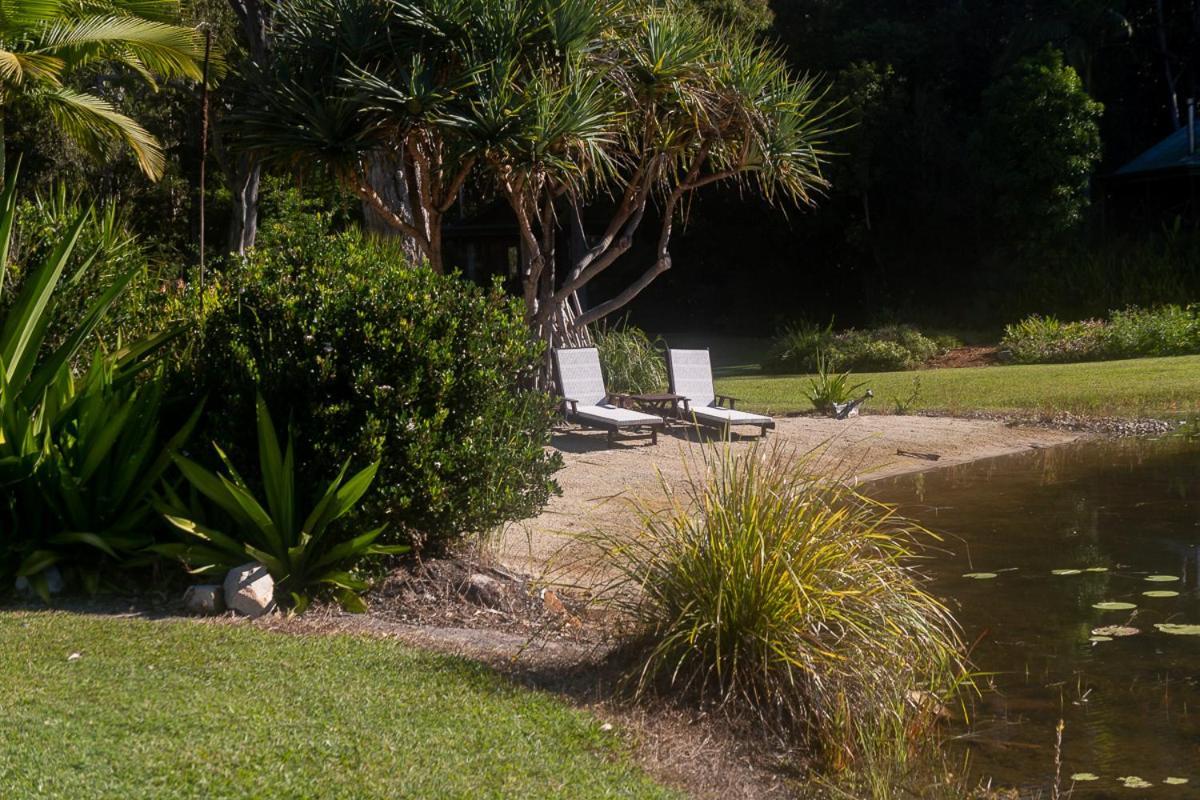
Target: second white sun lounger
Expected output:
[587,402]
[690,374]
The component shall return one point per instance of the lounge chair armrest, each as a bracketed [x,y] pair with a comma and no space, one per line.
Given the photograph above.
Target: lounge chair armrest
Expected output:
[568,405]
[685,405]
[723,399]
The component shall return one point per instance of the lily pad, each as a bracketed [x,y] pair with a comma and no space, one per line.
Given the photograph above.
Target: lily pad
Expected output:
[1114,606]
[1099,638]
[1175,781]
[1134,782]
[1162,578]
[1160,593]
[980,576]
[1085,776]
[1096,569]
[1115,630]
[1065,571]
[1177,629]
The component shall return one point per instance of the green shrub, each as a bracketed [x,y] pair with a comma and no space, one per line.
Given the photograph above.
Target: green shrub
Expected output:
[301,547]
[1132,333]
[771,592]
[882,349]
[375,359]
[78,455]
[632,363]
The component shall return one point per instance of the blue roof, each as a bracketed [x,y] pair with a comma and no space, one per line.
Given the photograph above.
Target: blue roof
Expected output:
[1169,154]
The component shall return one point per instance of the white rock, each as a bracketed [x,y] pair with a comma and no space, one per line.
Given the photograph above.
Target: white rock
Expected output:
[54,582]
[484,590]
[204,599]
[250,590]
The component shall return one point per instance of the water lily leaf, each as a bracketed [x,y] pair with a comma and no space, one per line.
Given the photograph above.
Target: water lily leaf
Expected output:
[1100,639]
[1175,781]
[1134,782]
[1177,629]
[980,576]
[1114,606]
[1065,571]
[1085,776]
[1160,593]
[1115,630]
[1162,578]
[1096,569]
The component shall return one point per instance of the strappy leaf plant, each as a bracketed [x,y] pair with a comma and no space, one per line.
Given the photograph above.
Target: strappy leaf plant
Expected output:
[303,549]
[78,455]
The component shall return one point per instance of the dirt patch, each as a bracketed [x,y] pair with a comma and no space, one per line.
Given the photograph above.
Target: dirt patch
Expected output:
[965,357]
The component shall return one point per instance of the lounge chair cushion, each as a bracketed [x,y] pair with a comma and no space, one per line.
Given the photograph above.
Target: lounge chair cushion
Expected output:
[729,416]
[607,414]
[579,375]
[691,376]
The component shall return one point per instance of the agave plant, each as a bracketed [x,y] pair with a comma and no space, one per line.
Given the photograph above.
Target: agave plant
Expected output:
[302,552]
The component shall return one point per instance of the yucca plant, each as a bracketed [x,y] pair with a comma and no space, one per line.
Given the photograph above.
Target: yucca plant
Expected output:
[303,552]
[829,387]
[784,597]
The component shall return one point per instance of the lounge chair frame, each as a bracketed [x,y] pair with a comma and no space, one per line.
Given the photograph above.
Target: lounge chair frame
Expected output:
[687,405]
[624,430]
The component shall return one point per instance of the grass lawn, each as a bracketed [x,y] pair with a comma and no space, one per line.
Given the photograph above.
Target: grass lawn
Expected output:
[184,709]
[1144,386]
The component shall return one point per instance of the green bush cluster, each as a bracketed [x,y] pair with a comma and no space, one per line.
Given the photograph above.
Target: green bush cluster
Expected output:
[378,361]
[419,380]
[802,347]
[1131,333]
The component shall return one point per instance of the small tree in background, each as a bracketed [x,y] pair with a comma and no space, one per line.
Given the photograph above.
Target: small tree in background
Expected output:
[1038,144]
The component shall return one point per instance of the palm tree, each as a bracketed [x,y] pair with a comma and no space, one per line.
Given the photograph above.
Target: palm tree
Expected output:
[43,43]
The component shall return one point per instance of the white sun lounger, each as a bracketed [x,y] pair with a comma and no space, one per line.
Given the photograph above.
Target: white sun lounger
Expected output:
[690,375]
[586,401]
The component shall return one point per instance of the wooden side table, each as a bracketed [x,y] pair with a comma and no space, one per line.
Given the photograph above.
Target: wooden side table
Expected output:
[664,404]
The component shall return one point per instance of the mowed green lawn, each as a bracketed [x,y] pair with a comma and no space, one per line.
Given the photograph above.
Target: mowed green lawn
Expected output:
[183,709]
[1139,387]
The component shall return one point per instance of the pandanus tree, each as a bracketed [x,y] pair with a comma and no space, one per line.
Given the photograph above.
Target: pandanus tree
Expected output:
[549,105]
[43,43]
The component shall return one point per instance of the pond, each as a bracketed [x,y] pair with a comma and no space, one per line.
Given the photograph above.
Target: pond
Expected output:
[1041,552]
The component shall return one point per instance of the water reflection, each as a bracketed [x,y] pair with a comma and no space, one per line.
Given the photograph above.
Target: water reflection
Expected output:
[1132,509]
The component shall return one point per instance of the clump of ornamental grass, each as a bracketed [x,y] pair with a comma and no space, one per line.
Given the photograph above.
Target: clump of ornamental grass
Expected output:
[790,599]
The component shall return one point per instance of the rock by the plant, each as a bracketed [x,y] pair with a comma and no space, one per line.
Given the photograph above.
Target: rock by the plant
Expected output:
[250,590]
[54,582]
[484,590]
[204,599]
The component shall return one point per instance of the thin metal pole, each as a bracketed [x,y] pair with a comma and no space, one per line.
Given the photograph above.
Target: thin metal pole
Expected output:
[204,141]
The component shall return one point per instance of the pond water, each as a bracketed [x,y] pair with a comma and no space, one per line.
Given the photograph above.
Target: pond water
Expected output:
[1067,531]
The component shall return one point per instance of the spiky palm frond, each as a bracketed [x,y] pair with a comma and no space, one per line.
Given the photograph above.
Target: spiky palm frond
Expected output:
[43,39]
[93,122]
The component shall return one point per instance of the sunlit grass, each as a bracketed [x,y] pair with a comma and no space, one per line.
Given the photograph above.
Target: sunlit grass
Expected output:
[182,710]
[1138,387]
